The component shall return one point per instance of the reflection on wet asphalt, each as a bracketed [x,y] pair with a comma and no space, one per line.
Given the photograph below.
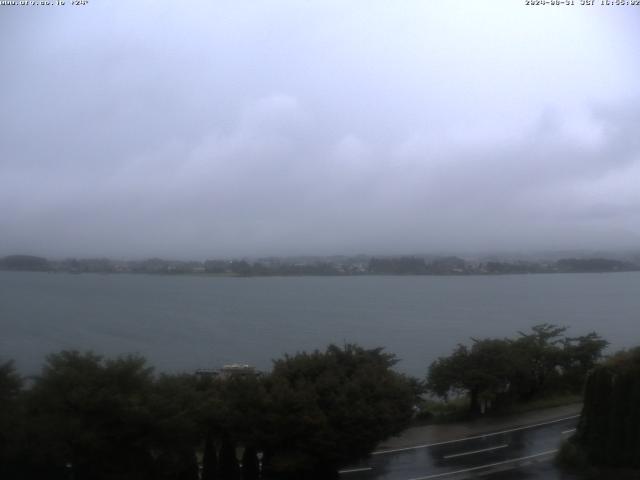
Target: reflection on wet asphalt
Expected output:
[492,455]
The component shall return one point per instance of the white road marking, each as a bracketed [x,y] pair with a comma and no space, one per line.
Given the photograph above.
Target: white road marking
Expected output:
[489,465]
[455,455]
[568,431]
[475,437]
[354,470]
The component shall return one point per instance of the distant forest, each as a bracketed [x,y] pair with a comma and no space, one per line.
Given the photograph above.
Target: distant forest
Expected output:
[330,266]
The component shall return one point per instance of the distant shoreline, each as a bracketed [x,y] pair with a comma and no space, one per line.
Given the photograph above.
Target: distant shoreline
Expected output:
[332,275]
[322,266]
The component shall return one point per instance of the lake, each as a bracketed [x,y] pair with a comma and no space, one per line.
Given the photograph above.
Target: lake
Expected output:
[181,323]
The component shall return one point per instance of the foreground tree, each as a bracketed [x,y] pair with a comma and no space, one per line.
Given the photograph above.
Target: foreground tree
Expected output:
[538,354]
[580,356]
[500,371]
[250,466]
[10,420]
[175,404]
[229,466]
[329,408]
[209,458]
[88,417]
[609,428]
[482,372]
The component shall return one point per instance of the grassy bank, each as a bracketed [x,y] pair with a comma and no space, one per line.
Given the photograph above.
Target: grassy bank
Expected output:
[456,410]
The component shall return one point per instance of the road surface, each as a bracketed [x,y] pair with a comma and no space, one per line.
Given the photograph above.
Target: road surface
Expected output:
[511,453]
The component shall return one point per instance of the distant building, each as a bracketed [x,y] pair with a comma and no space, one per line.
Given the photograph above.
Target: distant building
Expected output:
[229,371]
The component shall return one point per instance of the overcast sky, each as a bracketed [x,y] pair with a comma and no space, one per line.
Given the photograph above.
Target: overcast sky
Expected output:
[210,129]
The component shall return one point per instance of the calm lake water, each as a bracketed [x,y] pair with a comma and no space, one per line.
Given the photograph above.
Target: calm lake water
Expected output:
[181,323]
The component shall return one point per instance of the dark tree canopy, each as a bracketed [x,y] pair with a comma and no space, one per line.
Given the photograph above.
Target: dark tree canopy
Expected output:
[609,428]
[91,414]
[333,407]
[494,372]
[89,417]
[10,412]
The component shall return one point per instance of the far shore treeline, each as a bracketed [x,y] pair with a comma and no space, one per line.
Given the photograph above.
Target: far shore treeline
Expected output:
[89,417]
[329,266]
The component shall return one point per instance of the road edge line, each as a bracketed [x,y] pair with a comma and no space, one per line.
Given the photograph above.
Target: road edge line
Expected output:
[474,437]
[489,465]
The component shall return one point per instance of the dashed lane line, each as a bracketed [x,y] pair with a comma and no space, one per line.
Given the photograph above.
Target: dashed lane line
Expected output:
[489,465]
[456,455]
[355,470]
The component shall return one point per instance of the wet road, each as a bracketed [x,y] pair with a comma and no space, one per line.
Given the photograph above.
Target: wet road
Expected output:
[515,453]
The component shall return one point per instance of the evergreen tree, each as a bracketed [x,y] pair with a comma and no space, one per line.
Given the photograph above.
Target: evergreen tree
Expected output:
[500,371]
[250,463]
[329,408]
[609,428]
[10,420]
[229,468]
[209,459]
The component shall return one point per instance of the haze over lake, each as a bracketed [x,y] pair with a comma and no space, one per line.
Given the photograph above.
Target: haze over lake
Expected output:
[181,323]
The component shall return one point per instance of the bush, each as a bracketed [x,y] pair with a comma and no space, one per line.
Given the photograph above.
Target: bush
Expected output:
[572,457]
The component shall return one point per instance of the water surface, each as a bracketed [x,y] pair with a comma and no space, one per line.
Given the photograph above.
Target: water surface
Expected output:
[181,323]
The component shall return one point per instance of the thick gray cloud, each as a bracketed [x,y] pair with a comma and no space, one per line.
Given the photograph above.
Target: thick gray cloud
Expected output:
[203,129]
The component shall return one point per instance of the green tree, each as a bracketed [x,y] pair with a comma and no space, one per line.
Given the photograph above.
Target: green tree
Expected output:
[329,408]
[209,458]
[500,371]
[229,467]
[89,415]
[482,372]
[581,355]
[539,354]
[10,420]
[250,463]
[609,430]
[240,408]
[176,405]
